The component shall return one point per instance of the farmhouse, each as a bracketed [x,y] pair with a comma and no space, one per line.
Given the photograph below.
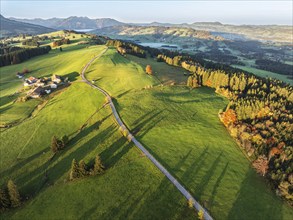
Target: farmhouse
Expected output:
[57,79]
[30,81]
[36,92]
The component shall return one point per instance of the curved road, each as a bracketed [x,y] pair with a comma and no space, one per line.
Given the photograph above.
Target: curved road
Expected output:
[173,180]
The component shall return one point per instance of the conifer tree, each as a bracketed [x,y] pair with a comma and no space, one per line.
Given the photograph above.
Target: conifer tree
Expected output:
[82,168]
[98,166]
[4,200]
[74,172]
[13,194]
[54,144]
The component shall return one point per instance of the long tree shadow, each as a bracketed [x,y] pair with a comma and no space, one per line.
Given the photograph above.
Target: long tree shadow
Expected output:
[210,172]
[20,163]
[114,152]
[217,184]
[165,193]
[33,181]
[63,166]
[255,203]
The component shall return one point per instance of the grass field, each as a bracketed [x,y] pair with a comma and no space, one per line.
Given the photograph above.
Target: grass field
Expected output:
[67,63]
[165,73]
[182,130]
[131,188]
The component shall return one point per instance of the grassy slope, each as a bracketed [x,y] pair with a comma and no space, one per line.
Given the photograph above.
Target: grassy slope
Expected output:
[121,75]
[181,128]
[57,62]
[165,73]
[132,187]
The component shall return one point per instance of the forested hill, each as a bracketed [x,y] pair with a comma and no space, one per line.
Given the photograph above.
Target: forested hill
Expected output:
[9,28]
[155,32]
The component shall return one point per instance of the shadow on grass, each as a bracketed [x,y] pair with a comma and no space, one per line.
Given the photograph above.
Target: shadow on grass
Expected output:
[252,203]
[71,76]
[32,182]
[21,162]
[165,192]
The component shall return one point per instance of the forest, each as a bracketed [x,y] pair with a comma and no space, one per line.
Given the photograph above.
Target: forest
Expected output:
[259,115]
[274,66]
[20,55]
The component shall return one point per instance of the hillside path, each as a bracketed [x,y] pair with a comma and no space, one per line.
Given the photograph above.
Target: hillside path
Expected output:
[173,180]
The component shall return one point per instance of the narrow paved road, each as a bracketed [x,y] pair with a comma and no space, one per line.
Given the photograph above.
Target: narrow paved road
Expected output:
[187,195]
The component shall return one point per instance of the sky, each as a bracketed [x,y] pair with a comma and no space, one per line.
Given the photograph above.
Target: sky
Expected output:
[228,12]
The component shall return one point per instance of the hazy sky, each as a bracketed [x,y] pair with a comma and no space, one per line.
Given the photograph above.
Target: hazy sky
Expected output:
[232,12]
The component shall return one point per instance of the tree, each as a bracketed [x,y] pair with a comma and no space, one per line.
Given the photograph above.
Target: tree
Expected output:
[190,203]
[13,194]
[98,166]
[64,140]
[54,144]
[200,215]
[82,168]
[74,172]
[4,200]
[149,70]
[261,164]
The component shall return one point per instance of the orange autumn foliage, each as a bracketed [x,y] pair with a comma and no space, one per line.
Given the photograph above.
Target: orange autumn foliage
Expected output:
[149,70]
[229,117]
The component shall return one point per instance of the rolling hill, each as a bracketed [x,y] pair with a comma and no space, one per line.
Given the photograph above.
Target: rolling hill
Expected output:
[9,27]
[154,33]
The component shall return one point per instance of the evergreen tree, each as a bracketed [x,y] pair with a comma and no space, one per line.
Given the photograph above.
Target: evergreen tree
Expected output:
[4,200]
[98,166]
[13,194]
[82,168]
[64,140]
[54,144]
[74,172]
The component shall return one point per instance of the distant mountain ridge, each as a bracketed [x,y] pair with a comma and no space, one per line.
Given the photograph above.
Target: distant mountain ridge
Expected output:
[277,33]
[72,22]
[10,27]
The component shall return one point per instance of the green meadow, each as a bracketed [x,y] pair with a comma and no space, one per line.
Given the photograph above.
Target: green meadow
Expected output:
[179,126]
[131,187]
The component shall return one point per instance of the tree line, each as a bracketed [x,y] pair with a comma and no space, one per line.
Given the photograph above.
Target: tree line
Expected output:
[21,55]
[58,43]
[127,48]
[259,115]
[275,66]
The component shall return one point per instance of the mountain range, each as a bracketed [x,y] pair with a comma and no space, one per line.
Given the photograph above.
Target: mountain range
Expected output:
[72,22]
[276,33]
[10,27]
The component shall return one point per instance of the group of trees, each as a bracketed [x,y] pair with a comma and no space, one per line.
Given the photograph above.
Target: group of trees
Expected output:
[127,48]
[259,109]
[58,43]
[81,169]
[21,55]
[9,197]
[274,66]
[31,42]
[58,144]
